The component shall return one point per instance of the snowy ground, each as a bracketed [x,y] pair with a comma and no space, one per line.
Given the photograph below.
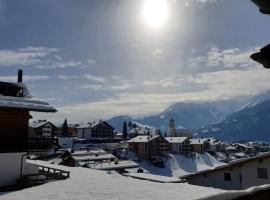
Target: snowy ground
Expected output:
[179,165]
[99,185]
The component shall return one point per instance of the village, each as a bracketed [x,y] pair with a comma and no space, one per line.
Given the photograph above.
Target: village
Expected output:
[85,159]
[140,152]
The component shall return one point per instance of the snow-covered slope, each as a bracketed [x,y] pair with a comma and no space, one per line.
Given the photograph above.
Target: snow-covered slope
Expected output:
[179,165]
[257,100]
[98,185]
[251,123]
[117,122]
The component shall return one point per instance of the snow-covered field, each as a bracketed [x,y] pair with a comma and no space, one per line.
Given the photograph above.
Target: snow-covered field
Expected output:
[93,184]
[179,165]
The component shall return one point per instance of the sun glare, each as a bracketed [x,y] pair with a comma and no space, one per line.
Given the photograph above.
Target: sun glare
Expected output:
[155,12]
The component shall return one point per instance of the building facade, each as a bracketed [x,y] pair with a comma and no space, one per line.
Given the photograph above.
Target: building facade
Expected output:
[96,132]
[236,175]
[179,145]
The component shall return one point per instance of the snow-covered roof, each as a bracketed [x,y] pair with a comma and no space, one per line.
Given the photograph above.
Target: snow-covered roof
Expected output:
[197,141]
[243,145]
[92,184]
[114,165]
[22,99]
[90,157]
[100,122]
[176,139]
[25,104]
[84,125]
[38,123]
[143,138]
[230,147]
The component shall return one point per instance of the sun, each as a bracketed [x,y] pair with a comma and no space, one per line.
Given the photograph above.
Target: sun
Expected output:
[155,12]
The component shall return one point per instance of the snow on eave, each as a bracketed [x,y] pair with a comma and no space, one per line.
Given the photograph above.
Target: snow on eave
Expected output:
[143,139]
[23,101]
[176,139]
[39,123]
[18,103]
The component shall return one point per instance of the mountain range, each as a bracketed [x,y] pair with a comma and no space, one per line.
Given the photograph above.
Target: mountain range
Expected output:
[190,115]
[230,120]
[251,122]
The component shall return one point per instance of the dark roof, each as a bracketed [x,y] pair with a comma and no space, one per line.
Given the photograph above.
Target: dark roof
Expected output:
[100,122]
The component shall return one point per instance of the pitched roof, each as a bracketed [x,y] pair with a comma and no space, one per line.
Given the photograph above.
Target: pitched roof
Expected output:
[39,123]
[100,122]
[175,139]
[243,145]
[84,125]
[143,138]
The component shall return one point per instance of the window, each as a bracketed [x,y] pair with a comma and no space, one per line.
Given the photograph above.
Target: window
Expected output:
[227,177]
[240,178]
[262,173]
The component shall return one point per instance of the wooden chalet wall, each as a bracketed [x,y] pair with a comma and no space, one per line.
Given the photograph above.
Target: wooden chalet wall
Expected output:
[13,130]
[102,130]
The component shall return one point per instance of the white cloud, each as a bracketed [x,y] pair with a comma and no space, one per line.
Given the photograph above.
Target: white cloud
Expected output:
[158,52]
[64,64]
[66,77]
[135,46]
[91,61]
[114,83]
[24,56]
[39,57]
[216,59]
[95,78]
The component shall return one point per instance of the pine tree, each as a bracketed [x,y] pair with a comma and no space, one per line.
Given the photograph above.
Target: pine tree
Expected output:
[125,130]
[65,129]
[165,135]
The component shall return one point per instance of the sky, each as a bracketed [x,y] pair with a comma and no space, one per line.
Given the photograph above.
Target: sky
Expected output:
[95,59]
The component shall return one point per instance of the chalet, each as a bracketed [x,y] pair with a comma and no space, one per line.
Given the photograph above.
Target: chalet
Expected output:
[84,130]
[15,105]
[214,145]
[41,129]
[179,145]
[72,130]
[243,148]
[197,145]
[41,135]
[230,149]
[146,146]
[96,132]
[235,175]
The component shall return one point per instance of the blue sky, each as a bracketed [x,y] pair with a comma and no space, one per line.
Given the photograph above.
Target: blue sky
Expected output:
[96,59]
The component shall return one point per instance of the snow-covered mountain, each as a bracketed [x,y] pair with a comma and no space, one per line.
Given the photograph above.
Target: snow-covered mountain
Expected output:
[257,100]
[249,123]
[117,122]
[190,115]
